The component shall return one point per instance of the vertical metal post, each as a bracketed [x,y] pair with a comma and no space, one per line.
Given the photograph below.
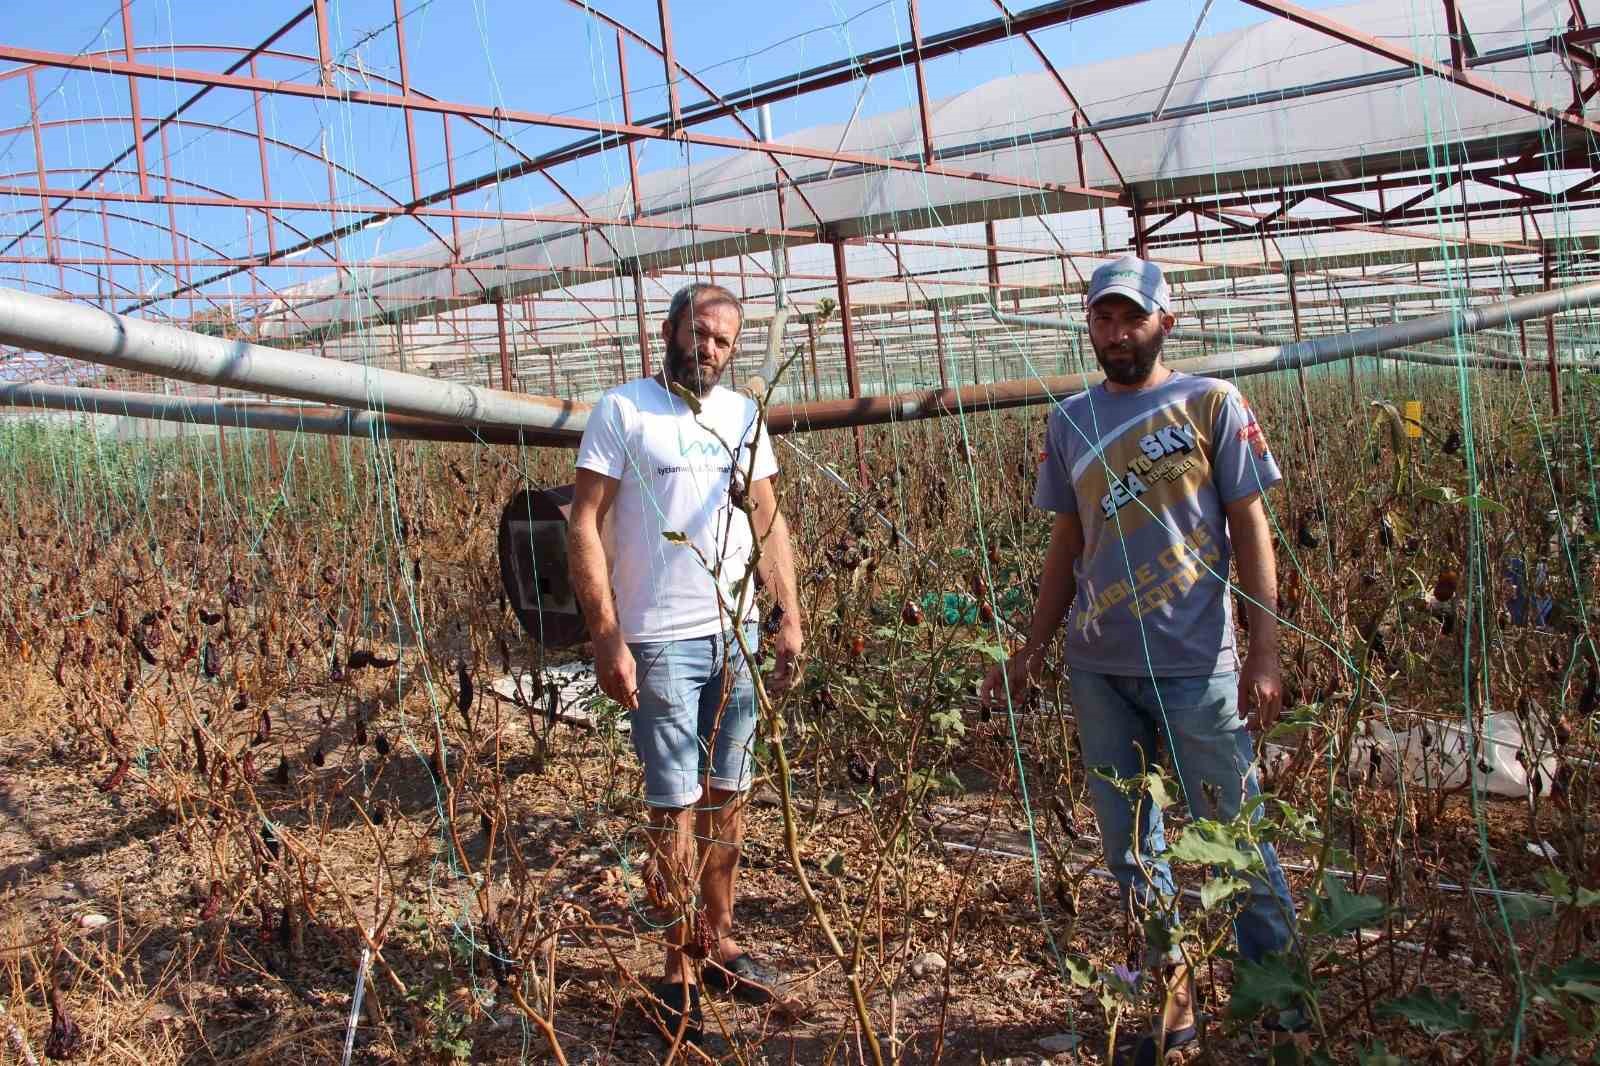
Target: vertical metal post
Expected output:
[455,220]
[1141,246]
[261,153]
[319,9]
[50,250]
[1349,364]
[172,213]
[550,352]
[1453,24]
[405,90]
[938,344]
[922,85]
[133,98]
[780,256]
[811,343]
[105,241]
[852,379]
[992,257]
[1300,371]
[505,354]
[1550,341]
[627,116]
[639,318]
[669,63]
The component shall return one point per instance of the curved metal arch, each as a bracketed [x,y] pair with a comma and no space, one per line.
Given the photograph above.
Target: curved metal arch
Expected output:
[160,228]
[274,141]
[353,72]
[369,76]
[187,183]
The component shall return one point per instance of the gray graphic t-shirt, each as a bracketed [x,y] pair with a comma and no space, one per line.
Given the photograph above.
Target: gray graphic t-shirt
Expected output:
[1148,473]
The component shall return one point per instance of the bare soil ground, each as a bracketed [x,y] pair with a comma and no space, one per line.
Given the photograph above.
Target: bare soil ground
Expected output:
[133,899]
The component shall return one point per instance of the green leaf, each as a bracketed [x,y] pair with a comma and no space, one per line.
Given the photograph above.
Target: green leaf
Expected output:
[1079,969]
[1217,889]
[1579,977]
[1271,983]
[1428,1012]
[1342,911]
[993,651]
[1156,783]
[1213,844]
[675,537]
[1476,502]
[834,866]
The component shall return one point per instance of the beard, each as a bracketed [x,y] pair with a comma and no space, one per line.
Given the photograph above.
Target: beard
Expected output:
[683,367]
[1128,364]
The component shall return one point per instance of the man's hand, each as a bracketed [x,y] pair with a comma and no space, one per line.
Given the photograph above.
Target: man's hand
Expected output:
[787,646]
[1015,676]
[1261,691]
[617,672]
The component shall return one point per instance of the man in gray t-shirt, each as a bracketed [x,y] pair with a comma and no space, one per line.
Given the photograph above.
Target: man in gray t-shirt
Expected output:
[1156,481]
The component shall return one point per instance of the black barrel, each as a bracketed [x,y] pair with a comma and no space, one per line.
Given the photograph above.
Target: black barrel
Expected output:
[533,566]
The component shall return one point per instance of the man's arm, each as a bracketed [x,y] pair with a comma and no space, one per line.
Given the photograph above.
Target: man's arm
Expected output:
[776,566]
[1261,678]
[592,496]
[1058,586]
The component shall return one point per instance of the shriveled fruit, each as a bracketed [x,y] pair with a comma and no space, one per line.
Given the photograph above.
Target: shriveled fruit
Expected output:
[911,614]
[361,658]
[65,1039]
[463,692]
[120,774]
[702,939]
[655,884]
[1444,586]
[213,904]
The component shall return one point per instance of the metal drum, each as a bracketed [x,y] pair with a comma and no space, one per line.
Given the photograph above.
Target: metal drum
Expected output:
[533,566]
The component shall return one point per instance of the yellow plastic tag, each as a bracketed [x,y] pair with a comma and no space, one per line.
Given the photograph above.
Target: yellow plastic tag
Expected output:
[1413,418]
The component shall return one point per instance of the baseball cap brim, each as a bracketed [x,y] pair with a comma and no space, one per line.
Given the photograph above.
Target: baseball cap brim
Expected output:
[1132,293]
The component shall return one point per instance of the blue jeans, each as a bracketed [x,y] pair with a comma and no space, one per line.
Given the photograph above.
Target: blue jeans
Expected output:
[696,716]
[1121,720]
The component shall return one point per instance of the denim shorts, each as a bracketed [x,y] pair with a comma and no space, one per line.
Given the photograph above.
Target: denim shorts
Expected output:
[696,716]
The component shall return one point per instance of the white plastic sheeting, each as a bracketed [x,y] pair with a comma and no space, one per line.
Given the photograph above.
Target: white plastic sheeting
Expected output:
[1440,755]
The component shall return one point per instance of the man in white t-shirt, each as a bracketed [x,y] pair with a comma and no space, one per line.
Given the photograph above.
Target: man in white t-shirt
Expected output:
[670,508]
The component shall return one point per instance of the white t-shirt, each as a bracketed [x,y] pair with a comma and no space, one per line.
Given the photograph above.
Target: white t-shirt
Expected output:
[675,477]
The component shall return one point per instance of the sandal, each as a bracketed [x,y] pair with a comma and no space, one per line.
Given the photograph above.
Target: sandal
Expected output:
[748,980]
[667,1007]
